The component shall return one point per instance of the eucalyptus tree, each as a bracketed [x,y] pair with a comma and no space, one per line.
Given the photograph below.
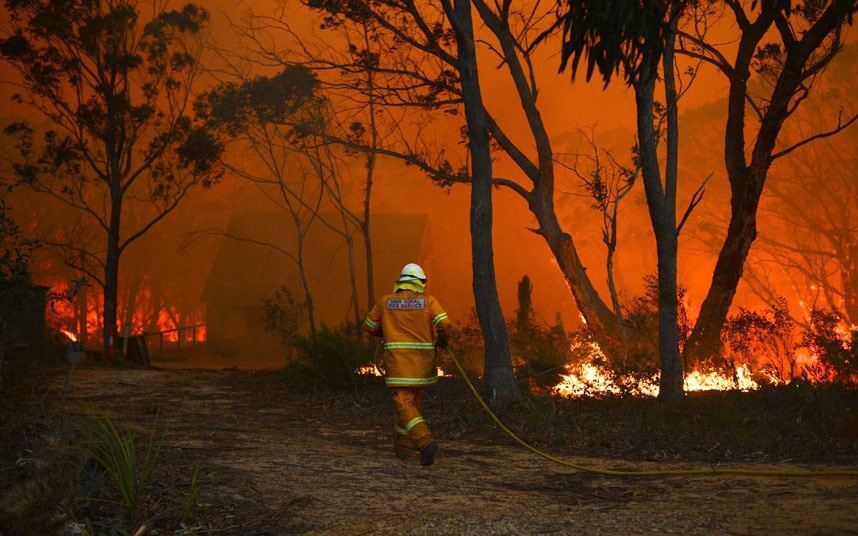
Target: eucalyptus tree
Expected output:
[786,47]
[113,83]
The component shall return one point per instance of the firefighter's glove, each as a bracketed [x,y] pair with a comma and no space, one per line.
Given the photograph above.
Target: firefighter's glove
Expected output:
[443,340]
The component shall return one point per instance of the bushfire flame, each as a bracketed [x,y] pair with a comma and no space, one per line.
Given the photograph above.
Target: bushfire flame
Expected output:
[72,337]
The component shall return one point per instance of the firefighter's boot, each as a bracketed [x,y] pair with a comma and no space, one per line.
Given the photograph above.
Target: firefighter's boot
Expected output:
[427,453]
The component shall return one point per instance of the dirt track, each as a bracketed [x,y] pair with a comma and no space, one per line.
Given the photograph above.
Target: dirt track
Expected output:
[273,467]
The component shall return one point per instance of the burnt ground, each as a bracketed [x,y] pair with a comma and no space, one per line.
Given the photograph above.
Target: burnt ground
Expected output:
[273,461]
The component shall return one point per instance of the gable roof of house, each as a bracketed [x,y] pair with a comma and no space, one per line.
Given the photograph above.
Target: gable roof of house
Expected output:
[258,255]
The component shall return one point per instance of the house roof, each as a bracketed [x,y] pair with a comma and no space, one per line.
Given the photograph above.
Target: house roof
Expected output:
[254,260]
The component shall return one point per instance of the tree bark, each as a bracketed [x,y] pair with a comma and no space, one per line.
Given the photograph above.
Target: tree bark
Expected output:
[661,202]
[599,318]
[83,327]
[498,375]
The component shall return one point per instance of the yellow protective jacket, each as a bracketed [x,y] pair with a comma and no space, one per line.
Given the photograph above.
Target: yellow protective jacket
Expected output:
[408,321]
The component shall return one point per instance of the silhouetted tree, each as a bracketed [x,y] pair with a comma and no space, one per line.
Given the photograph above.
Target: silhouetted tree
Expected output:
[499,376]
[524,313]
[787,45]
[114,81]
[635,40]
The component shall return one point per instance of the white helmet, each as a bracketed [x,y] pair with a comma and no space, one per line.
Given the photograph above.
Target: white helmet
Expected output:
[410,272]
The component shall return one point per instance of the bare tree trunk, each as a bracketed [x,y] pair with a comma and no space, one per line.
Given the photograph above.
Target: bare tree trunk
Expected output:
[305,284]
[350,251]
[705,340]
[368,182]
[600,319]
[83,326]
[111,278]
[612,284]
[850,283]
[498,374]
[367,246]
[131,299]
[661,202]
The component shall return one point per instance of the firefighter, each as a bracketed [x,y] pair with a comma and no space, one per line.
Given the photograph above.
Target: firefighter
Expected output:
[412,324]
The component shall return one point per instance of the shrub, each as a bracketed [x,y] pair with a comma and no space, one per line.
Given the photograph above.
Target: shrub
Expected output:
[836,349]
[640,361]
[748,335]
[327,360]
[283,315]
[540,351]
[466,342]
[543,351]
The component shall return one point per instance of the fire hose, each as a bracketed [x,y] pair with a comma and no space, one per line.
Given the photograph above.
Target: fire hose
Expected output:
[693,471]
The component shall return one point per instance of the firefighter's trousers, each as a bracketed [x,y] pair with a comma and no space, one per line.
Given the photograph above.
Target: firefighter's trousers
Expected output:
[410,430]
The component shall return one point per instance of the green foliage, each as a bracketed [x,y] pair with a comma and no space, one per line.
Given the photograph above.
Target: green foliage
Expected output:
[615,37]
[191,503]
[115,450]
[327,360]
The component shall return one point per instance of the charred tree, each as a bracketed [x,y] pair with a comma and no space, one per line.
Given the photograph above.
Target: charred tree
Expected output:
[498,377]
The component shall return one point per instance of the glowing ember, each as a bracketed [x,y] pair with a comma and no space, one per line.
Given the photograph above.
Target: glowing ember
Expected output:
[72,337]
[368,370]
[372,370]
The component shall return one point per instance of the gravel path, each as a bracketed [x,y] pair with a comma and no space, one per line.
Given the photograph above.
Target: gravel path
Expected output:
[275,467]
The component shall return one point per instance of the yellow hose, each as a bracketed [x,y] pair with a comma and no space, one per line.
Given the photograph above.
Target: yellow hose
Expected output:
[784,473]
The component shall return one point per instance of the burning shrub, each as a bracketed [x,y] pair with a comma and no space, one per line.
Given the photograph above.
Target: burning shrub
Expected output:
[750,334]
[835,348]
[327,360]
[639,361]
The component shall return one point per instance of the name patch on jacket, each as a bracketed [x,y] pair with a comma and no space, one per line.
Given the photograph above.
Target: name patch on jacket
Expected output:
[406,304]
